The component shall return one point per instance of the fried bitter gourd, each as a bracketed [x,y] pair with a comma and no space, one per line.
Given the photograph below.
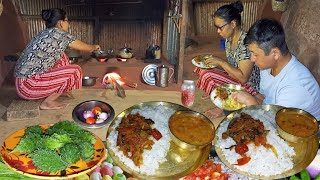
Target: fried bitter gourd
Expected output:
[87,151]
[48,161]
[70,153]
[28,143]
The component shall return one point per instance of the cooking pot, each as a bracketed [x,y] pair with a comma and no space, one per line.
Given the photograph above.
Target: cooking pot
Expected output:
[125,52]
[100,55]
[153,52]
[89,80]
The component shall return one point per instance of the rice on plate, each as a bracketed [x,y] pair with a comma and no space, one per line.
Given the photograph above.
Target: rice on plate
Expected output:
[151,158]
[264,161]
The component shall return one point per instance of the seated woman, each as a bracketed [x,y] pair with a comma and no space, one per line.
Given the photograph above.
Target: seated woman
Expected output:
[238,69]
[43,69]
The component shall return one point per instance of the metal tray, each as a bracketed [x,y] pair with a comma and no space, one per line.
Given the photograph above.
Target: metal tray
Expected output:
[180,162]
[305,151]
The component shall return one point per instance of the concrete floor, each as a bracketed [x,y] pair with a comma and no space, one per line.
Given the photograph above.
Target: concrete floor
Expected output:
[142,93]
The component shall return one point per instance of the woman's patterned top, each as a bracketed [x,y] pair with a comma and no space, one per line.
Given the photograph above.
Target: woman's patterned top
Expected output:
[44,50]
[239,53]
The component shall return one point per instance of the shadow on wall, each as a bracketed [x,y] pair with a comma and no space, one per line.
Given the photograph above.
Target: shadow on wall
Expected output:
[303,35]
[13,39]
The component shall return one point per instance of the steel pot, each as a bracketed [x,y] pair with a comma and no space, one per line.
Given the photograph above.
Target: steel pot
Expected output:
[89,80]
[125,52]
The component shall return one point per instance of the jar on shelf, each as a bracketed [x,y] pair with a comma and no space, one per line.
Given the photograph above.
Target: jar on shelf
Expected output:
[187,93]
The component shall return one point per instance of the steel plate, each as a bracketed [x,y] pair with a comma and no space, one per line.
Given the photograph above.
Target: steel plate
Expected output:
[180,162]
[198,61]
[149,74]
[305,151]
[221,104]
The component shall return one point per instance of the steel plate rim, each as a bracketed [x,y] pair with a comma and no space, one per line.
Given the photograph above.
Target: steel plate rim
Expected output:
[313,142]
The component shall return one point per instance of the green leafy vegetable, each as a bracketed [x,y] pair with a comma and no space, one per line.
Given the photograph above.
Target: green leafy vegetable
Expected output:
[87,151]
[63,127]
[27,143]
[83,136]
[55,149]
[70,153]
[33,130]
[48,161]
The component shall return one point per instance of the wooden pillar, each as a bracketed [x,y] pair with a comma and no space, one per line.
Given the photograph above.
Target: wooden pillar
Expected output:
[183,31]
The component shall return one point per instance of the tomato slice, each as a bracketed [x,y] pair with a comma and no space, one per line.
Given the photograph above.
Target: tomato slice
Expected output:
[97,110]
[242,161]
[156,134]
[90,120]
[241,148]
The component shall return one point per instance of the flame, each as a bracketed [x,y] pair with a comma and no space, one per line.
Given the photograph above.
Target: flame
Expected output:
[113,76]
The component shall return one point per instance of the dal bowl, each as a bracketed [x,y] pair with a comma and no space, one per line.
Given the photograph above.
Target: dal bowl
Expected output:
[191,130]
[91,109]
[296,125]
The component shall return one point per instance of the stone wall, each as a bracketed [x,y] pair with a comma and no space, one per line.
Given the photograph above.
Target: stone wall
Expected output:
[301,23]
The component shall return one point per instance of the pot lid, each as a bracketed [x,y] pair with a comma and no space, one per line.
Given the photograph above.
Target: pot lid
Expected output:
[149,74]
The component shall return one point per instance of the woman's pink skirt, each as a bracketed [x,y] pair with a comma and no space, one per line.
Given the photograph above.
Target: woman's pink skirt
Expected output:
[62,77]
[212,78]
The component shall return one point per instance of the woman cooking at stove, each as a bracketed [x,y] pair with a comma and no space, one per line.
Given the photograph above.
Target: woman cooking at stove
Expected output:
[238,69]
[43,69]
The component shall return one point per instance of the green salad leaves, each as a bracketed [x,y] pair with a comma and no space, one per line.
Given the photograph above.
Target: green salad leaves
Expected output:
[57,147]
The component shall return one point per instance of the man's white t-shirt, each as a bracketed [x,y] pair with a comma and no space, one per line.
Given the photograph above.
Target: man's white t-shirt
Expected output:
[294,87]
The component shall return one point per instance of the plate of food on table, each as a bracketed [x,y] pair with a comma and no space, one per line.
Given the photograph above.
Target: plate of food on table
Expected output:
[148,151]
[221,97]
[198,61]
[53,151]
[248,142]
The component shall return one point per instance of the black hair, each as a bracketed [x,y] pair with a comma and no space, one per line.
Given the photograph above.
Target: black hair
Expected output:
[230,12]
[267,34]
[52,16]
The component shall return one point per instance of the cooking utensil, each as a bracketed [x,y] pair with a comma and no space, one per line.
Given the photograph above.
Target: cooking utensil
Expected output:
[153,52]
[89,80]
[180,162]
[162,75]
[77,113]
[149,74]
[19,161]
[125,52]
[305,151]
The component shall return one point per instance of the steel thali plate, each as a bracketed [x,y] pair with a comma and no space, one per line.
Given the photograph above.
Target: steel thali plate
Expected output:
[305,151]
[180,162]
[198,61]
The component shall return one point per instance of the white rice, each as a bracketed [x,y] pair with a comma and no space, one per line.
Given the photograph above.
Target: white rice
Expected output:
[263,160]
[151,158]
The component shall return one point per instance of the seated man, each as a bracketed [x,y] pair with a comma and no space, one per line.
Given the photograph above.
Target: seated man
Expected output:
[284,80]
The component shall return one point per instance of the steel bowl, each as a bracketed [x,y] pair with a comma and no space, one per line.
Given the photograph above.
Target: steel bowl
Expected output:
[195,126]
[89,80]
[77,113]
[296,125]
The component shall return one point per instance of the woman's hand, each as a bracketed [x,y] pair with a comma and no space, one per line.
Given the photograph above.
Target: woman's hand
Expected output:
[213,61]
[244,98]
[97,48]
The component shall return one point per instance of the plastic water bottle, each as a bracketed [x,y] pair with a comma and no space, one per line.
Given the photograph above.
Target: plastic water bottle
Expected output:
[187,93]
